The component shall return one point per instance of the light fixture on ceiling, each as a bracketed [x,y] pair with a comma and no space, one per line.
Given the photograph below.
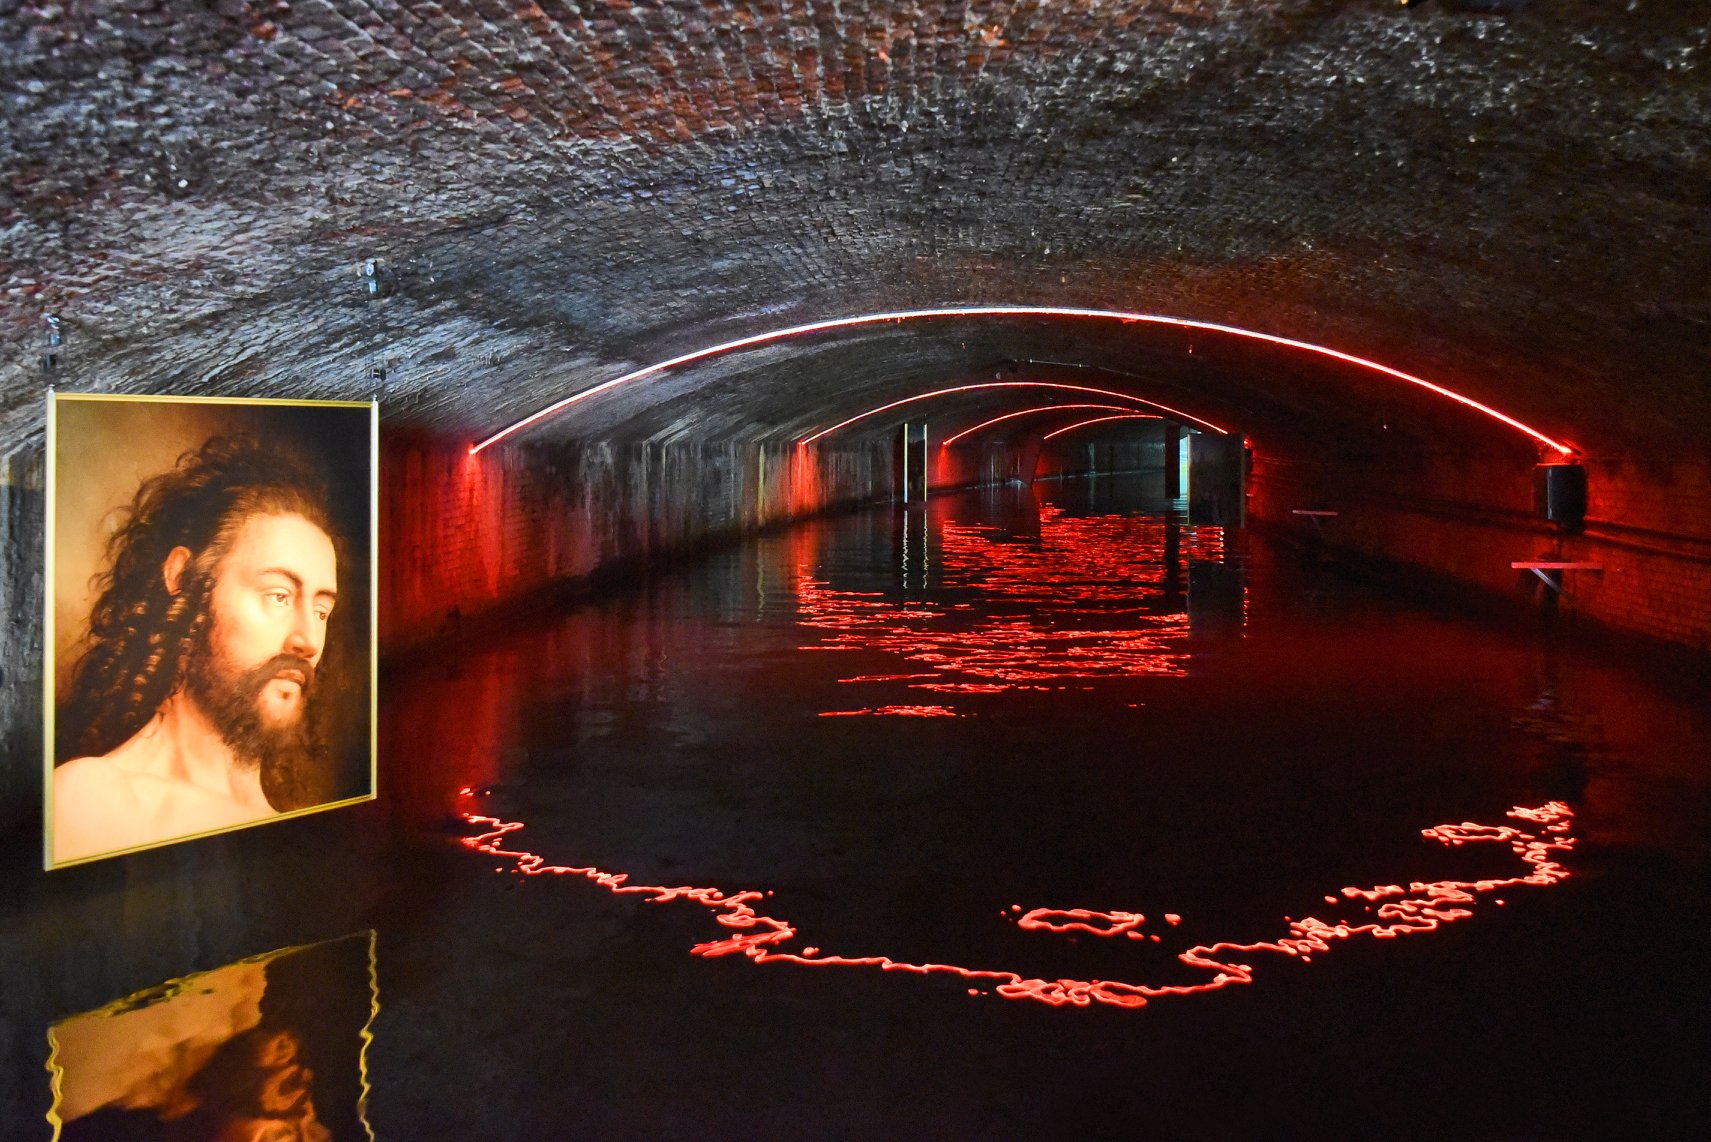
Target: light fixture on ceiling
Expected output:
[49,360]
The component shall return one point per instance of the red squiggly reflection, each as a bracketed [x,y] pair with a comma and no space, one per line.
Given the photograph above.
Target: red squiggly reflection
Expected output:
[1422,906]
[1081,920]
[895,711]
[1087,600]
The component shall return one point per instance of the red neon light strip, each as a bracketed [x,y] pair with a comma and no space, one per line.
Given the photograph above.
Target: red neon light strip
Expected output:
[1016,311]
[1423,906]
[950,440]
[1097,420]
[1134,400]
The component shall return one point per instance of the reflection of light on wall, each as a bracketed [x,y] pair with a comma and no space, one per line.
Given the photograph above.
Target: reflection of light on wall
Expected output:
[1421,906]
[950,440]
[805,484]
[1086,600]
[478,512]
[955,389]
[458,722]
[897,316]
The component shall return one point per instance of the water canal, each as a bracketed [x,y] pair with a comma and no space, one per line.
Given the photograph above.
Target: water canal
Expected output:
[1032,814]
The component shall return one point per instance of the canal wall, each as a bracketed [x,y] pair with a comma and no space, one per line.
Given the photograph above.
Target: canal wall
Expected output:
[21,606]
[1648,531]
[469,538]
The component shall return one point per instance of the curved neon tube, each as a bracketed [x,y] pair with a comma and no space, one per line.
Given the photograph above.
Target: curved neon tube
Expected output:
[1133,400]
[950,440]
[1017,311]
[1097,420]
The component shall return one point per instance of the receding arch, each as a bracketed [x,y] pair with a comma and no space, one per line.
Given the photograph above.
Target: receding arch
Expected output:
[954,389]
[1096,420]
[990,421]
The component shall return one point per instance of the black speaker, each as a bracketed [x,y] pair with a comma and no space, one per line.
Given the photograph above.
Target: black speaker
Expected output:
[1559,494]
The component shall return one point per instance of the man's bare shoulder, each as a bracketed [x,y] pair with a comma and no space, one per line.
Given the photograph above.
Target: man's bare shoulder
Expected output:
[94,778]
[95,808]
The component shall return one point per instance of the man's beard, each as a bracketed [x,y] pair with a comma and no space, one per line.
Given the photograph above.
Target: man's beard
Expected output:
[285,750]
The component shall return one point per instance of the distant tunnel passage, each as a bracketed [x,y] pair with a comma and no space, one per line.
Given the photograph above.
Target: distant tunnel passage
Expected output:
[955,389]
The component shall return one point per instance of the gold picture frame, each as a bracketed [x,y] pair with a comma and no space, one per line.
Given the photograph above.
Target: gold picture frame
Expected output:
[211,629]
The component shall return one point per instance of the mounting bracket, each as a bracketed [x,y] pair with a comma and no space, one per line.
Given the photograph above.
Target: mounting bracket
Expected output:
[1550,573]
[1318,517]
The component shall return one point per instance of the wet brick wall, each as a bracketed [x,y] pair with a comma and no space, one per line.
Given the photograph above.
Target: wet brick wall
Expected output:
[21,568]
[467,537]
[1470,519]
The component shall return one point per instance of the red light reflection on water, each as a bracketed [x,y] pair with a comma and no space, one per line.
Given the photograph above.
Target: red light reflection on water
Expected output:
[1085,600]
[1081,920]
[895,711]
[1421,906]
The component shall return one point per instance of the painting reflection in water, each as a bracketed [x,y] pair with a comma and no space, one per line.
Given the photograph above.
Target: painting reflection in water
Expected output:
[268,1048]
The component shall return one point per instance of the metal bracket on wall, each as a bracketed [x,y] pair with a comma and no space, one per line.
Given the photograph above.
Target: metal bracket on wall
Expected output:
[1550,574]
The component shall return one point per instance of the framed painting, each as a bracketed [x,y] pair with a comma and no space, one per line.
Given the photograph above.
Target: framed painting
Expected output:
[211,621]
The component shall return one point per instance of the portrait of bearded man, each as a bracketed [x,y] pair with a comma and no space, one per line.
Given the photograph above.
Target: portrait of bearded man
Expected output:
[201,698]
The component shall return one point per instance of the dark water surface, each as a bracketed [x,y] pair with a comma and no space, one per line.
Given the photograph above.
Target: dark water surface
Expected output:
[1007,778]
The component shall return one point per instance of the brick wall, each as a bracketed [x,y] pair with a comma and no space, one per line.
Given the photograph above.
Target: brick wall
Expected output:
[1467,518]
[21,539]
[468,536]
[982,462]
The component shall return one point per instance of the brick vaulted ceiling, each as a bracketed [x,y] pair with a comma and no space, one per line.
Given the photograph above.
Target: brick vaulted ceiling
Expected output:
[1516,203]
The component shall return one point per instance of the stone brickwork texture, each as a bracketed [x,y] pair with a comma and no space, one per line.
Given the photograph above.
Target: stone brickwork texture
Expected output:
[1510,203]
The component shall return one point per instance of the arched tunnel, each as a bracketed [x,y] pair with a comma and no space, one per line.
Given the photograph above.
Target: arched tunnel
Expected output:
[1382,326]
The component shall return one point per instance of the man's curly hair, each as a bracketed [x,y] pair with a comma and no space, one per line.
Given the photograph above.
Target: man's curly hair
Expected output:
[140,634]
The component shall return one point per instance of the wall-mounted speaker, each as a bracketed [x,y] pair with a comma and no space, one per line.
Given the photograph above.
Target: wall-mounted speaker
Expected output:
[1559,494]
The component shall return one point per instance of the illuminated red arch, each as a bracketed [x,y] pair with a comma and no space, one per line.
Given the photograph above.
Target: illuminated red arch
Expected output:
[1097,420]
[898,316]
[950,440]
[953,389]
